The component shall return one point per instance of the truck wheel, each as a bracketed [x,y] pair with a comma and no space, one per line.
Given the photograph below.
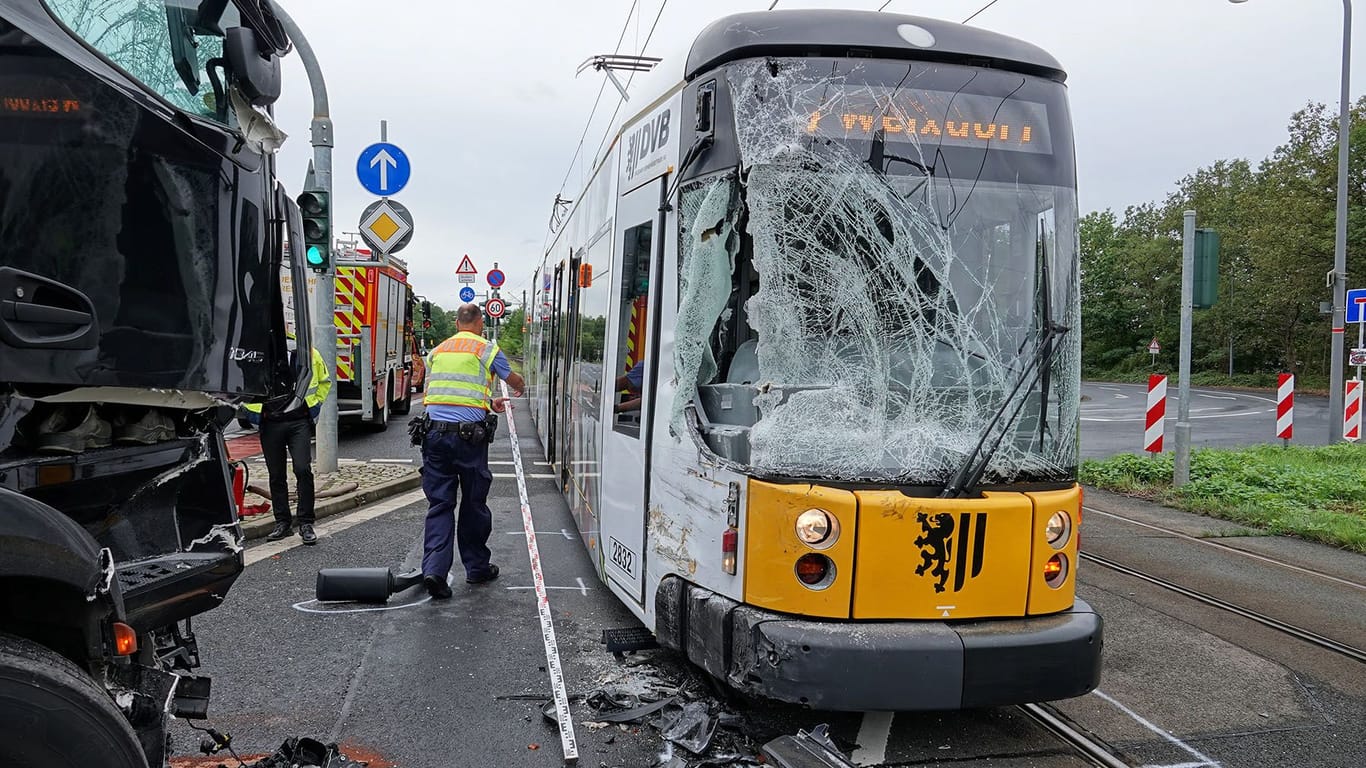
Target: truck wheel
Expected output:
[402,407]
[53,715]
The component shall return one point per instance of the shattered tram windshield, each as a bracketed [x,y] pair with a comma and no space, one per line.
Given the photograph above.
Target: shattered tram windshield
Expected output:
[911,231]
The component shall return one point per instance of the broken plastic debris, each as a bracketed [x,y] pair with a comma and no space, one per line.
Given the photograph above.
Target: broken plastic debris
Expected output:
[806,750]
[691,728]
[307,753]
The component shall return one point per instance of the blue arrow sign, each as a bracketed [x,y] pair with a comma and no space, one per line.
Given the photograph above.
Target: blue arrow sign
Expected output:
[383,169]
[1355,299]
[467,294]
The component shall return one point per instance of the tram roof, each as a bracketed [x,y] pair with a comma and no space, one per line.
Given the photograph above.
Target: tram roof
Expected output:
[840,32]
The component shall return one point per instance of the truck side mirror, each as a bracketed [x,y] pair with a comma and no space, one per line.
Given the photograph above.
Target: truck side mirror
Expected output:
[257,76]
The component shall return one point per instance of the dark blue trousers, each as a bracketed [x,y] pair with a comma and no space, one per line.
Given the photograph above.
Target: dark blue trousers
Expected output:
[453,466]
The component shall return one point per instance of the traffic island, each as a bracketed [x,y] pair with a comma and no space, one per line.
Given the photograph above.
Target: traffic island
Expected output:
[354,484]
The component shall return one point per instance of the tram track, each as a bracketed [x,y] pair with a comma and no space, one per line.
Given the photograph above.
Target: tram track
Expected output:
[1221,546]
[1299,633]
[1092,750]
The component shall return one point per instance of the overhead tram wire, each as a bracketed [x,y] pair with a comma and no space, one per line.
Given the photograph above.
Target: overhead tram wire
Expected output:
[591,114]
[882,7]
[620,100]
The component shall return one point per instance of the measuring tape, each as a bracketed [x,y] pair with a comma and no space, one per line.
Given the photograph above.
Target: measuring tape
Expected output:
[568,742]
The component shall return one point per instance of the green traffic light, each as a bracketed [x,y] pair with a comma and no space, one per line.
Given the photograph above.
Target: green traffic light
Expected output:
[315,256]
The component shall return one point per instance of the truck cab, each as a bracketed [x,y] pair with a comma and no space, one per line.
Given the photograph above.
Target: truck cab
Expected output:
[142,233]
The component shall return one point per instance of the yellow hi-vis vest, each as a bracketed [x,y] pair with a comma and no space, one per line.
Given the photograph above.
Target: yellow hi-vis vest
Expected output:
[320,383]
[461,371]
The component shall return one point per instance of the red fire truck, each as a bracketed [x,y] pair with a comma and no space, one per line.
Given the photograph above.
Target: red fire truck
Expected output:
[377,360]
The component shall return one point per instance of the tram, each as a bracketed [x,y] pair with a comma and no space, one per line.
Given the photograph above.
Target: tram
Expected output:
[805,356]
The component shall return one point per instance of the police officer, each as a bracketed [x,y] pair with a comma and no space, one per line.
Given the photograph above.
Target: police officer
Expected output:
[455,453]
[287,425]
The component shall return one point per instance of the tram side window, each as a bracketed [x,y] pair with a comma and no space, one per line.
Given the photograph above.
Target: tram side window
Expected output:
[632,351]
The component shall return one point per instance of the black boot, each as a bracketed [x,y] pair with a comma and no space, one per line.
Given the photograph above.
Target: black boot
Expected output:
[306,533]
[437,587]
[280,531]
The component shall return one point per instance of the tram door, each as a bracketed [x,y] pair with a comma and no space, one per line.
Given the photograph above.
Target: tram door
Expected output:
[564,393]
[631,360]
[552,367]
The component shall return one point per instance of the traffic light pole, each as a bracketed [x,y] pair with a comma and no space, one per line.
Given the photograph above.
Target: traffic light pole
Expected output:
[324,297]
[1181,467]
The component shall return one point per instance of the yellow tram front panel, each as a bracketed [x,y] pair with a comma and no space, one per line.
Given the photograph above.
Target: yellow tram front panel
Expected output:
[772,549]
[1046,597]
[932,558]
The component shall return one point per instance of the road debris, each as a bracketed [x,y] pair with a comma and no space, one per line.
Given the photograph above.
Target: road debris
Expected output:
[806,750]
[307,753]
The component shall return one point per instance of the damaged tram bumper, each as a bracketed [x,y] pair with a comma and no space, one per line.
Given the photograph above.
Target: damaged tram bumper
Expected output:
[882,665]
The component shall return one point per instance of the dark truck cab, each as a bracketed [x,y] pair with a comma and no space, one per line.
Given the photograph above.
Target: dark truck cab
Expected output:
[142,238]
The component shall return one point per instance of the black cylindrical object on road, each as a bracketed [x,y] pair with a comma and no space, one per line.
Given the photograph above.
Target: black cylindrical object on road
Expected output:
[359,585]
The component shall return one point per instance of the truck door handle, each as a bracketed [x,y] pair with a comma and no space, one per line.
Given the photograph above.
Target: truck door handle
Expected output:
[37,312]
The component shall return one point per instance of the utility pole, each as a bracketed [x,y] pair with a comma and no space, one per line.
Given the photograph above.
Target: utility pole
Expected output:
[1182,468]
[324,297]
[1335,376]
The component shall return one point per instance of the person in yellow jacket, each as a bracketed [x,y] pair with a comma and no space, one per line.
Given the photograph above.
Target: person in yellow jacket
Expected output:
[287,426]
[455,452]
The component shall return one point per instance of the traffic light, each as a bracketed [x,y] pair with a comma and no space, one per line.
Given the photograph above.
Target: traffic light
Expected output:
[1206,268]
[317,230]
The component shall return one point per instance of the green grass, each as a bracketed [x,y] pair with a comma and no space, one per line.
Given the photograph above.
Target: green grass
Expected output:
[1304,384]
[1314,493]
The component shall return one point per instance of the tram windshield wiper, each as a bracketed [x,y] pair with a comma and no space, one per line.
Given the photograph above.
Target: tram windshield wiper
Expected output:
[964,480]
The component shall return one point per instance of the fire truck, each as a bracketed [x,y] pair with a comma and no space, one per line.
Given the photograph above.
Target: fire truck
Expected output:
[378,363]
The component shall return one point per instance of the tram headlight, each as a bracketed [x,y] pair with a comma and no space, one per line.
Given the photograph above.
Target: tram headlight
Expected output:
[817,528]
[1058,529]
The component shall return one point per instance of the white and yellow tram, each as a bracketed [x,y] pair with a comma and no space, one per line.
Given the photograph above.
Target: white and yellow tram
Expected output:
[805,356]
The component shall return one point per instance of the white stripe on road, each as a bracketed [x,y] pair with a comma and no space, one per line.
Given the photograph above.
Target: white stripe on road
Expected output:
[568,742]
[581,588]
[873,735]
[1137,718]
[533,476]
[334,525]
[508,463]
[563,533]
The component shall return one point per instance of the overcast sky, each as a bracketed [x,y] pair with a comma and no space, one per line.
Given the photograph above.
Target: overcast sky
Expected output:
[483,97]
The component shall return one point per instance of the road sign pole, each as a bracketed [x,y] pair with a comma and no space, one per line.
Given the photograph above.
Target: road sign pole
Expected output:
[324,297]
[1181,473]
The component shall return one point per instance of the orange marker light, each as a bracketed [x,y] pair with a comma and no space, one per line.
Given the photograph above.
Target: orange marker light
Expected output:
[125,639]
[1052,568]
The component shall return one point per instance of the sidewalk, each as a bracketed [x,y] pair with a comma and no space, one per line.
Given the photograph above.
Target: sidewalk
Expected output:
[354,484]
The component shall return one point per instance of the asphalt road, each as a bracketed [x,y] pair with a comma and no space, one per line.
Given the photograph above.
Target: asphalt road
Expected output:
[1112,418]
[462,682]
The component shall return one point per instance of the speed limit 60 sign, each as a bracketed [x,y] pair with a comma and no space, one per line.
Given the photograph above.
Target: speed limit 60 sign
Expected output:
[495,308]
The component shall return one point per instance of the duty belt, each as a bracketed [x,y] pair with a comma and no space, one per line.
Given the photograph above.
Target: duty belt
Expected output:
[471,431]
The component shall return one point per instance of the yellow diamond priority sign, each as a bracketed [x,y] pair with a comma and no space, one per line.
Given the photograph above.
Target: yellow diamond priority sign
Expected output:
[386,226]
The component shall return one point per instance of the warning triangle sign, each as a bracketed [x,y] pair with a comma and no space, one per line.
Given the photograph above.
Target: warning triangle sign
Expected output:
[466,267]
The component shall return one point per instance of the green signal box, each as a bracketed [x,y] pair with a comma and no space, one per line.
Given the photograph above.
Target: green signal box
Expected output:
[1206,268]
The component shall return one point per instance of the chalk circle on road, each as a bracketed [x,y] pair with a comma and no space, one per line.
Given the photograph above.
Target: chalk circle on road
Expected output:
[318,606]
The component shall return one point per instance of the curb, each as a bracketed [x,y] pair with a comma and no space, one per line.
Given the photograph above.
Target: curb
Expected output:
[258,526]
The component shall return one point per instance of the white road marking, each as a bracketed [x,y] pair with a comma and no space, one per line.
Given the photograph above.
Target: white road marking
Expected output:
[508,463]
[873,734]
[1178,765]
[1216,397]
[1118,396]
[581,588]
[563,533]
[568,742]
[533,476]
[1192,751]
[334,525]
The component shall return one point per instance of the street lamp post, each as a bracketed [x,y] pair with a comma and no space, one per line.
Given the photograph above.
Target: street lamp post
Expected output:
[1340,242]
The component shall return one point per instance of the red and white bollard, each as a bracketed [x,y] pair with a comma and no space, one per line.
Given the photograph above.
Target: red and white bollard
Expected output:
[1285,407]
[1351,412]
[1157,413]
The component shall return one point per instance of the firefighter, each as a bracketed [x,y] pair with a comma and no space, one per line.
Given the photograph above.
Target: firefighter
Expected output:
[287,426]
[455,450]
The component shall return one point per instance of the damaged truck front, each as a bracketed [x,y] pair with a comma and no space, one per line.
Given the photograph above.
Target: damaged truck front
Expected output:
[142,234]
